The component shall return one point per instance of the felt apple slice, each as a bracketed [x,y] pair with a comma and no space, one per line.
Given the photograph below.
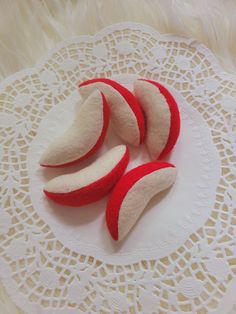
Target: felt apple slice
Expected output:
[91,183]
[133,192]
[162,117]
[83,138]
[126,114]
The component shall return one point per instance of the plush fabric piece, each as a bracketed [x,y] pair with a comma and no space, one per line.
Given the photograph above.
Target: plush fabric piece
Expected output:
[162,115]
[157,116]
[133,192]
[175,118]
[126,114]
[83,138]
[91,183]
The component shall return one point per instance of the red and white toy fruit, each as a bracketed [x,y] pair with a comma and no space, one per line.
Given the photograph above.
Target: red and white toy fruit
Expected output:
[126,114]
[162,117]
[84,137]
[133,192]
[91,183]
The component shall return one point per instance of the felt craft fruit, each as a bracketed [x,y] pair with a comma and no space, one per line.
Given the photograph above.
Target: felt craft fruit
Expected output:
[162,117]
[133,192]
[83,138]
[91,183]
[126,114]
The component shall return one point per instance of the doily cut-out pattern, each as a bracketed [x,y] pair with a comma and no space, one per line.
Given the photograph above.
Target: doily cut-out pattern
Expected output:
[41,273]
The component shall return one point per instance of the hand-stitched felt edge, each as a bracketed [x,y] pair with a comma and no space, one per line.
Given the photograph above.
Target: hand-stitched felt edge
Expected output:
[175,118]
[106,118]
[129,98]
[94,191]
[122,188]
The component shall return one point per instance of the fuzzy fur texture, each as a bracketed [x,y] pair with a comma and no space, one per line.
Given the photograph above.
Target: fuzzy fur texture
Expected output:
[126,114]
[25,37]
[133,192]
[84,137]
[91,183]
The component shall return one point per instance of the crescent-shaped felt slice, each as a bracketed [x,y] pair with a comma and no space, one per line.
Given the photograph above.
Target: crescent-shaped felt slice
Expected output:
[84,137]
[162,117]
[126,114]
[91,183]
[133,192]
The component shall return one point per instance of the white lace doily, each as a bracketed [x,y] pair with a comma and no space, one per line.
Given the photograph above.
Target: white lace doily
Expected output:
[57,260]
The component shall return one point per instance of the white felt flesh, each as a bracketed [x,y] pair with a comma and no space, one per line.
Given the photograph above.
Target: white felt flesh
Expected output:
[122,117]
[157,113]
[97,170]
[82,135]
[140,194]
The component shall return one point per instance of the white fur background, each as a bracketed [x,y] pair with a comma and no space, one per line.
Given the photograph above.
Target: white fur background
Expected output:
[29,28]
